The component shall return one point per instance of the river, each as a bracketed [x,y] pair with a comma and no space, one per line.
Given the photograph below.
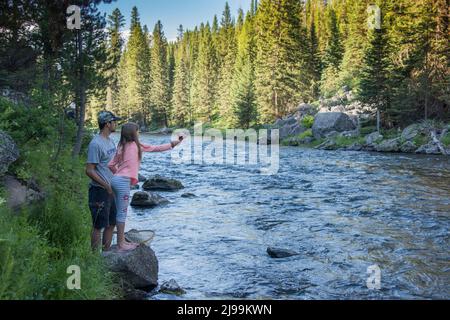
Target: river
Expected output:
[343,212]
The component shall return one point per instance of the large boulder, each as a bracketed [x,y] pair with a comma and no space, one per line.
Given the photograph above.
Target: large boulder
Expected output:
[288,127]
[19,194]
[305,109]
[391,145]
[159,183]
[410,132]
[8,152]
[408,147]
[429,148]
[332,121]
[284,122]
[373,138]
[147,200]
[137,269]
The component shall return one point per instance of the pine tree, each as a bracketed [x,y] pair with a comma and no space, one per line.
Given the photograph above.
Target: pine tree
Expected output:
[333,54]
[243,87]
[374,87]
[181,87]
[160,77]
[281,73]
[314,62]
[116,21]
[205,77]
[354,44]
[227,59]
[135,19]
[134,75]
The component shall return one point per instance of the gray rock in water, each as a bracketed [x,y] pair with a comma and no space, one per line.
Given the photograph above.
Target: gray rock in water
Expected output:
[331,121]
[147,199]
[391,145]
[171,287]
[278,253]
[137,268]
[162,184]
[188,195]
[8,152]
[373,138]
[141,178]
[408,147]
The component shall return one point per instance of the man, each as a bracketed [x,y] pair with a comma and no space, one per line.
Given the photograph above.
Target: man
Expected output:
[101,200]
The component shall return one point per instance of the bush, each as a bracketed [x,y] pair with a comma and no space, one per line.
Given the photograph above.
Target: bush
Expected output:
[308,121]
[348,141]
[446,139]
[307,134]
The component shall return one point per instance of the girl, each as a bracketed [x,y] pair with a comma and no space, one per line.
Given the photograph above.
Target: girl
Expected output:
[125,166]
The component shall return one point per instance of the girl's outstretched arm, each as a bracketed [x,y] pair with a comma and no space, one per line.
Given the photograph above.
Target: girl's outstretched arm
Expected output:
[160,148]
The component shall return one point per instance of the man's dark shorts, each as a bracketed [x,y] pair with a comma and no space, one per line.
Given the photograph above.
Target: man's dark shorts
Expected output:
[103,208]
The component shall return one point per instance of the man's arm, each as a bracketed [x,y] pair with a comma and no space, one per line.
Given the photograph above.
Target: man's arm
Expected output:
[91,173]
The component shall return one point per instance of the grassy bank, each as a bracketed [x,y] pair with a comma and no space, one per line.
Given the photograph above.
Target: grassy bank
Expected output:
[38,244]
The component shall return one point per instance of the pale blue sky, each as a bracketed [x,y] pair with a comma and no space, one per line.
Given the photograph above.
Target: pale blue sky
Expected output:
[172,13]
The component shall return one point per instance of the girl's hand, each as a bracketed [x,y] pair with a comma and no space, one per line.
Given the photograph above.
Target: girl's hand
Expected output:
[175,143]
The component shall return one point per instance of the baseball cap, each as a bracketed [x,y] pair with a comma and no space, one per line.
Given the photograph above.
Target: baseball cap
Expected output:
[106,116]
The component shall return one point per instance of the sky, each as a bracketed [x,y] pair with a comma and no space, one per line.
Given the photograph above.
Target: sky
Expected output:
[172,13]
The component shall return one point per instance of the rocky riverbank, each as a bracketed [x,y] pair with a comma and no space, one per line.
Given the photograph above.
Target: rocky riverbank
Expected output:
[341,123]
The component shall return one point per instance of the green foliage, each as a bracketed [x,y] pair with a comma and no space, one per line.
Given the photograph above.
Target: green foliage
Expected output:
[421,139]
[348,141]
[307,134]
[26,124]
[160,85]
[308,121]
[368,130]
[37,246]
[446,139]
[390,133]
[282,76]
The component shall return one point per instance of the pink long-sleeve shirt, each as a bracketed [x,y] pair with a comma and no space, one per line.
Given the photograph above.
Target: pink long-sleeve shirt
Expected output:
[129,166]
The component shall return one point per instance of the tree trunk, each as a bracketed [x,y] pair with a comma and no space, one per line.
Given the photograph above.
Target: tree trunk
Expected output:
[81,92]
[378,120]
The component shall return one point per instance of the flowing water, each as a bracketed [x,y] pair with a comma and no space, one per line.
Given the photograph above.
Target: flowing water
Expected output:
[341,211]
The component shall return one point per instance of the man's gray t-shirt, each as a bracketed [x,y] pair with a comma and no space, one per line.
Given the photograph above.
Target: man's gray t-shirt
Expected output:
[100,152]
